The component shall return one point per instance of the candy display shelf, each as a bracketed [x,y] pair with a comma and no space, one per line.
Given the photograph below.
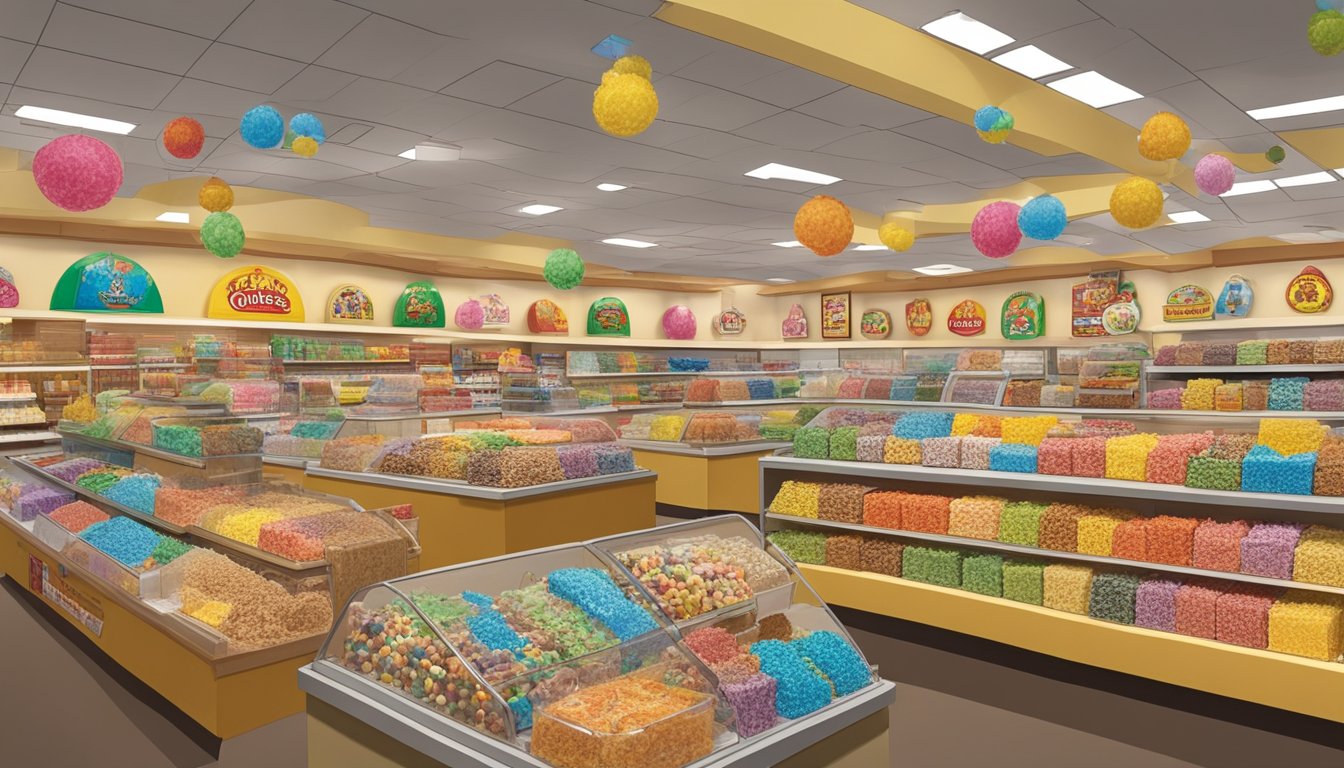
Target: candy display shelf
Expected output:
[1303,368]
[345,362]
[28,437]
[26,464]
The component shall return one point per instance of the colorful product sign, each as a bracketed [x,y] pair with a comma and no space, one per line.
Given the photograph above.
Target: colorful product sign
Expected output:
[875,324]
[730,322]
[1235,299]
[1189,302]
[967,318]
[608,317]
[1091,298]
[419,306]
[1023,316]
[255,293]
[1309,292]
[350,304]
[545,316]
[918,317]
[496,311]
[835,315]
[9,290]
[795,323]
[106,282]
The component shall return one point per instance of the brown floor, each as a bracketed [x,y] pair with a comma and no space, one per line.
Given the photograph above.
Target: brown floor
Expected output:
[950,711]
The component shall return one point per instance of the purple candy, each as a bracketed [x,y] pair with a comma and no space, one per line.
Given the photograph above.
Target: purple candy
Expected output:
[753,701]
[40,500]
[1155,604]
[578,460]
[71,469]
[1268,549]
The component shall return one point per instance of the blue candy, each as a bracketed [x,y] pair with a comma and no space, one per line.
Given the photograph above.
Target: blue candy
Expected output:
[1287,394]
[614,459]
[123,539]
[918,425]
[135,491]
[1265,470]
[594,592]
[1013,457]
[837,659]
[491,630]
[760,389]
[799,691]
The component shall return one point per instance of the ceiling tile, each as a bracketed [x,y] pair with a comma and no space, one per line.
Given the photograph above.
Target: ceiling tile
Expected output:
[196,96]
[313,86]
[373,100]
[24,19]
[568,101]
[721,110]
[116,39]
[12,56]
[434,115]
[294,29]
[886,145]
[790,87]
[388,141]
[852,107]
[451,61]
[380,47]
[794,130]
[730,67]
[76,75]
[242,68]
[499,84]
[203,18]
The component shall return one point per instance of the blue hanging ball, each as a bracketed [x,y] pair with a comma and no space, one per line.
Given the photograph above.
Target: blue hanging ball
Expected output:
[986,117]
[1327,5]
[262,127]
[305,124]
[1042,218]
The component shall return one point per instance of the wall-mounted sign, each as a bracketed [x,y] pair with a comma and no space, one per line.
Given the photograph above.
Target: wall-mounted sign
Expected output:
[608,317]
[349,304]
[255,293]
[1091,298]
[1235,299]
[1121,318]
[918,317]
[967,318]
[835,315]
[9,290]
[1189,302]
[105,282]
[1023,316]
[496,311]
[730,322]
[1310,292]
[875,324]
[545,316]
[419,306]
[795,323]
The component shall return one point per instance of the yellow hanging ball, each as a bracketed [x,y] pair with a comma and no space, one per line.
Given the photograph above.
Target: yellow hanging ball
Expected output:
[625,105]
[896,237]
[1164,137]
[216,195]
[633,65]
[1136,203]
[304,146]
[824,225]
[994,137]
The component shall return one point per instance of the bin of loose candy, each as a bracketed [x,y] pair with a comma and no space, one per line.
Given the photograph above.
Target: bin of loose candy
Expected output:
[844,551]
[1067,587]
[932,565]
[1219,353]
[1301,351]
[1276,352]
[1291,436]
[797,498]
[1129,541]
[1242,616]
[812,443]
[1324,395]
[1213,474]
[483,468]
[753,703]
[1096,530]
[1287,394]
[1196,608]
[578,460]
[851,388]
[1268,549]
[975,517]
[975,451]
[38,500]
[924,512]
[1013,457]
[871,448]
[881,555]
[1054,456]
[136,492]
[1198,394]
[123,539]
[1329,479]
[1307,624]
[841,502]
[1189,353]
[1251,352]
[1319,557]
[1127,456]
[1169,459]
[918,425]
[1166,399]
[1089,457]
[800,690]
[1057,396]
[1027,430]
[1155,603]
[1166,355]
[882,509]
[963,424]
[1265,470]
[1024,581]
[844,443]
[941,451]
[1113,597]
[77,515]
[900,450]
[982,573]
[987,425]
[1020,523]
[1328,352]
[1059,527]
[1217,546]
[1170,540]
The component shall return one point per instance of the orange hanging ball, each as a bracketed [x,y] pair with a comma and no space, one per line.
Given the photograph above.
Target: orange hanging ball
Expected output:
[183,137]
[824,225]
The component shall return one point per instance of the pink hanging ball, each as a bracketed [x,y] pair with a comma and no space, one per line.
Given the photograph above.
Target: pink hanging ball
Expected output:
[994,230]
[77,172]
[679,322]
[1214,174]
[470,315]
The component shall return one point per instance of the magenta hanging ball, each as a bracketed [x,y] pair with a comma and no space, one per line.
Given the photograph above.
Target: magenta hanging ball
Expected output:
[994,230]
[679,322]
[1214,174]
[77,172]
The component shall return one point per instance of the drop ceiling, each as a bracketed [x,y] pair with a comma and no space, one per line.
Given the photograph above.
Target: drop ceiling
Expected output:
[386,74]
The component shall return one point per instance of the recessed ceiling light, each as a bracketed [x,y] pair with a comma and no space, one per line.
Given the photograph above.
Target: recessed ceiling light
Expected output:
[1333,234]
[871,248]
[789,244]
[537,209]
[959,29]
[408,154]
[1249,188]
[942,269]
[1328,104]
[606,187]
[628,243]
[1187,217]
[778,280]
[1094,89]
[175,217]
[1302,237]
[789,173]
[74,119]
[1320,177]
[1031,61]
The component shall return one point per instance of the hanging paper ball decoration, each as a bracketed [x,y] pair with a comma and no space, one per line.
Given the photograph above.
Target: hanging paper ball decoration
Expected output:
[1325,32]
[679,322]
[824,225]
[470,315]
[1214,174]
[993,124]
[304,146]
[1329,5]
[1164,137]
[563,269]
[625,105]
[1043,218]
[216,195]
[633,65]
[262,127]
[183,137]
[1136,203]
[77,173]
[222,234]
[994,229]
[1275,154]
[895,237]
[305,124]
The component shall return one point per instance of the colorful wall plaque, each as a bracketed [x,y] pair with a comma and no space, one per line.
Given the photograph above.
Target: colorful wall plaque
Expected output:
[795,323]
[608,317]
[9,290]
[835,315]
[349,304]
[875,324]
[730,322]
[255,293]
[1235,299]
[1023,316]
[1121,318]
[419,306]
[1091,298]
[918,317]
[545,316]
[1189,302]
[1310,292]
[105,282]
[967,318]
[496,311]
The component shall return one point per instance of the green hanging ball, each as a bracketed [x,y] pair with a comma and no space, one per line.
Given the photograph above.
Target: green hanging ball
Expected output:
[1275,154]
[1325,33]
[563,269]
[288,142]
[222,234]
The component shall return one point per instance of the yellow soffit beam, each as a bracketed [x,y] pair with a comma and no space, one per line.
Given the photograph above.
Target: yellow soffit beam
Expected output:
[867,50]
[1323,146]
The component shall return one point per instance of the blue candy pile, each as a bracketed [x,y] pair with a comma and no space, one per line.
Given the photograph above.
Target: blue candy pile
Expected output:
[122,538]
[799,690]
[1265,470]
[1012,457]
[135,491]
[918,425]
[760,389]
[615,459]
[837,659]
[594,592]
[1287,394]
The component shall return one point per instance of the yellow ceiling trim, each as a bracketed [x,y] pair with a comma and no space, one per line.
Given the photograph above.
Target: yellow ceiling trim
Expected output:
[1323,146]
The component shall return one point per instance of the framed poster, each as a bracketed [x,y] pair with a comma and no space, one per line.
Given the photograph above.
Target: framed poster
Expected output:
[918,317]
[255,293]
[496,311]
[875,324]
[795,323]
[730,322]
[1023,316]
[835,315]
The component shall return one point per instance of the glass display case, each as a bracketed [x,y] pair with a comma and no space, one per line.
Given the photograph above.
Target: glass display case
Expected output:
[535,392]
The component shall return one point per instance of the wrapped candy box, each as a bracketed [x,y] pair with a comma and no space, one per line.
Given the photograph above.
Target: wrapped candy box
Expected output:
[1268,549]
[1251,352]
[1329,479]
[1255,395]
[1196,609]
[918,425]
[1054,456]
[1024,581]
[1067,587]
[975,451]
[1307,624]
[1013,457]
[1265,470]
[1089,457]
[1217,546]
[1059,527]
[844,551]
[1287,394]
[841,502]
[940,452]
[881,509]
[1020,523]
[1113,597]
[1242,617]
[1319,556]
[982,573]
[812,443]
[1170,540]
[1155,603]
[932,565]
[1129,540]
[924,512]
[975,517]
[900,450]
[881,555]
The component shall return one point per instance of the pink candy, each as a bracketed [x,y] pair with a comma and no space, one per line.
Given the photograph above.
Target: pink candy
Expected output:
[1217,546]
[1196,610]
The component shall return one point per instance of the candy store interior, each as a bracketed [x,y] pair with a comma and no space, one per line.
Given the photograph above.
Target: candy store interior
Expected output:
[829,384]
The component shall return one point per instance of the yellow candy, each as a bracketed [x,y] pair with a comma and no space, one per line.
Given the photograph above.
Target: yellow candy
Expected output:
[1067,587]
[1291,436]
[667,428]
[1200,394]
[1319,558]
[899,450]
[1307,624]
[964,423]
[1096,530]
[797,498]
[1027,430]
[1127,456]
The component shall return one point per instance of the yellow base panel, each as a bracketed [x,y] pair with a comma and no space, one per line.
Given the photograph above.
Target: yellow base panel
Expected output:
[1263,677]
[226,704]
[729,483]
[459,529]
[286,474]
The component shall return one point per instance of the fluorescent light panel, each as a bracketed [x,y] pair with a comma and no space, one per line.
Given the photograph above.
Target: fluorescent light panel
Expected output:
[789,173]
[960,29]
[942,269]
[174,217]
[74,119]
[539,209]
[1187,217]
[1328,104]
[1302,237]
[1249,188]
[1094,89]
[778,280]
[408,154]
[789,244]
[1031,62]
[871,248]
[628,243]
[608,187]
[1306,179]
